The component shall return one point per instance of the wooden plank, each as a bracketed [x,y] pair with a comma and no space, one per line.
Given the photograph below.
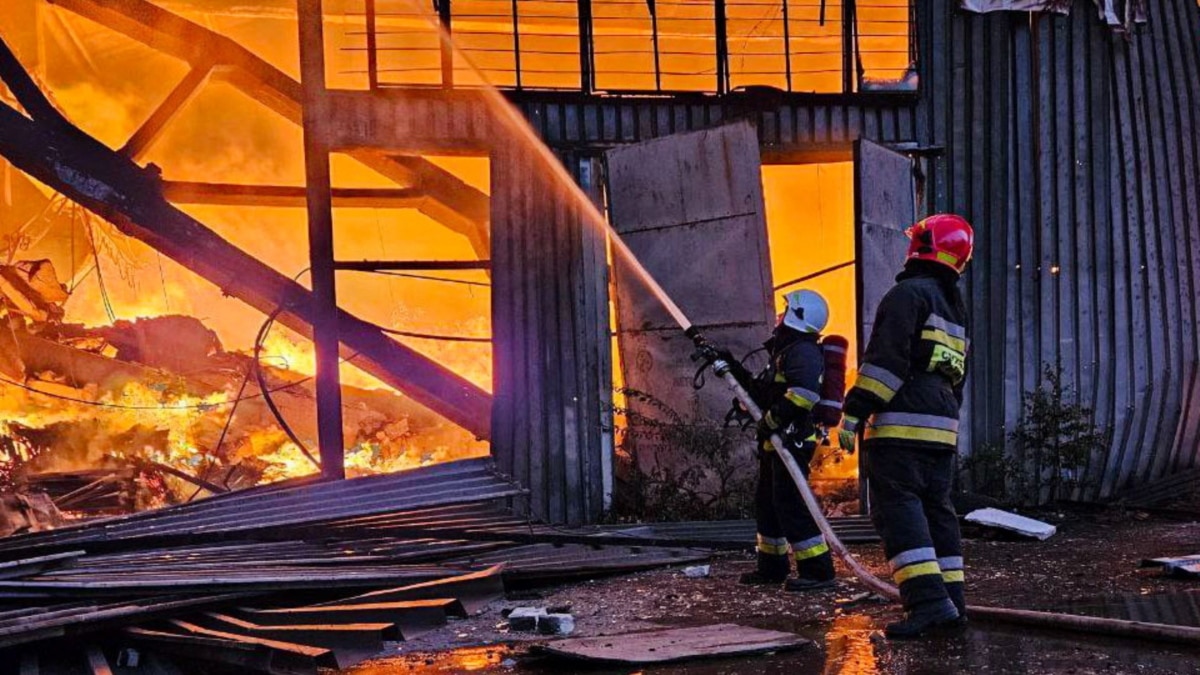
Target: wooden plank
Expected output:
[245,655]
[179,97]
[228,194]
[674,645]
[350,641]
[405,619]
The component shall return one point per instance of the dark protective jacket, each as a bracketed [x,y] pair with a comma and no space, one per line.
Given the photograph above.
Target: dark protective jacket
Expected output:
[794,383]
[911,378]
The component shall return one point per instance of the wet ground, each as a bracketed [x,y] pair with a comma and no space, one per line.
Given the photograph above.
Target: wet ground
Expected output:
[1090,567]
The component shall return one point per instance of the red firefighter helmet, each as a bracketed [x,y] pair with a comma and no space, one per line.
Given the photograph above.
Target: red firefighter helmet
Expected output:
[943,238]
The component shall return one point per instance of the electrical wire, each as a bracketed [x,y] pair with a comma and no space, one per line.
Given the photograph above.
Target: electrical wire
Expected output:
[426,277]
[433,336]
[261,376]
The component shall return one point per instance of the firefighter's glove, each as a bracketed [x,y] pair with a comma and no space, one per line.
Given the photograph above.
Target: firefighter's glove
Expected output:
[848,434]
[767,427]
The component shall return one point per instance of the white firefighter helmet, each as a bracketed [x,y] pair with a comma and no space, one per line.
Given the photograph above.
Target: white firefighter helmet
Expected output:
[806,311]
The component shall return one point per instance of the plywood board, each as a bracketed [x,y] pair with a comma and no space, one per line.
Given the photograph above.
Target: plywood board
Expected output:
[676,644]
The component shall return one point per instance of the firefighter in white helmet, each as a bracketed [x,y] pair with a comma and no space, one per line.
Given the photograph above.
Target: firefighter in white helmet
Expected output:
[789,391]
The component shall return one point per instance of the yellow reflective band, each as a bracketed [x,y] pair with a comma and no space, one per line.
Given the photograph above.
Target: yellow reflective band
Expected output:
[906,433]
[780,377]
[875,387]
[918,570]
[942,337]
[953,576]
[812,551]
[947,258]
[770,420]
[798,400]
[772,549]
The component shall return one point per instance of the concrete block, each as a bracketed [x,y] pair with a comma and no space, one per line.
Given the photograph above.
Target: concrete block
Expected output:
[525,619]
[556,624]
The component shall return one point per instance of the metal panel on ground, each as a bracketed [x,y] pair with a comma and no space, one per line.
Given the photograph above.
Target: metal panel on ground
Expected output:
[690,207]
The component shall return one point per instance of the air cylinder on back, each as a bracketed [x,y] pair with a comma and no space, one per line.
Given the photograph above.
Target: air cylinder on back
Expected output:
[828,411]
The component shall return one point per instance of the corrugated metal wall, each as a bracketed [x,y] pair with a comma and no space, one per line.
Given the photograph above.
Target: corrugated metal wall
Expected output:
[1075,152]
[573,121]
[552,409]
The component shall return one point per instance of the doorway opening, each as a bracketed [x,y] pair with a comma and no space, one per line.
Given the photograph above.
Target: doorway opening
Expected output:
[811,232]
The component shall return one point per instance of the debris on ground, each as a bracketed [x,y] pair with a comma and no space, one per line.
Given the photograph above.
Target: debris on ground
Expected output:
[525,619]
[1182,567]
[697,571]
[556,624]
[311,574]
[675,644]
[1011,522]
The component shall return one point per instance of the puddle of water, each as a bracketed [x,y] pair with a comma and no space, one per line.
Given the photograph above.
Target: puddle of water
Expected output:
[852,645]
[491,659]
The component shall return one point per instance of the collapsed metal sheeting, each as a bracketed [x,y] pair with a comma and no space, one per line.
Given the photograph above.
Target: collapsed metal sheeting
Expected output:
[314,574]
[1116,13]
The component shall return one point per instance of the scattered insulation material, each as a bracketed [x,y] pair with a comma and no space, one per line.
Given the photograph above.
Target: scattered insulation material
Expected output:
[304,574]
[1011,522]
[676,644]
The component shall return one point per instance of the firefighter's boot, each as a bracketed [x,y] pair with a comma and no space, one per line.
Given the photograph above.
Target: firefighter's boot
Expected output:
[804,584]
[922,619]
[959,598]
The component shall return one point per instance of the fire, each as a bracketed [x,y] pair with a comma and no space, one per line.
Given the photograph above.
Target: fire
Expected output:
[193,414]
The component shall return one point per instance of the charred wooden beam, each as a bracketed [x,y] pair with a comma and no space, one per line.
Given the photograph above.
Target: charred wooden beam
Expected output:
[228,194]
[116,189]
[168,110]
[451,201]
[26,90]
[322,272]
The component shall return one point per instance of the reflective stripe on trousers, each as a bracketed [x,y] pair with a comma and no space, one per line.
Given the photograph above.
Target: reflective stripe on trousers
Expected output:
[913,427]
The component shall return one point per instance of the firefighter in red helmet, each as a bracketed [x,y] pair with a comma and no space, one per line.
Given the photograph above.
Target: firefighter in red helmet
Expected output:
[905,405]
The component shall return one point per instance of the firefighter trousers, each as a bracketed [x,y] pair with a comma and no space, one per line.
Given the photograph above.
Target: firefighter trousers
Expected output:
[785,528]
[911,510]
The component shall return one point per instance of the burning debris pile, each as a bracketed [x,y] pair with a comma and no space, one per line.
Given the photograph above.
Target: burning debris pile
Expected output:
[143,413]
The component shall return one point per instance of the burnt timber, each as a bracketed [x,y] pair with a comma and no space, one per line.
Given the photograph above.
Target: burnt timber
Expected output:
[130,197]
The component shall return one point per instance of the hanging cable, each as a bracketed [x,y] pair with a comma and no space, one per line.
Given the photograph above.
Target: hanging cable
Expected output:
[260,375]
[433,336]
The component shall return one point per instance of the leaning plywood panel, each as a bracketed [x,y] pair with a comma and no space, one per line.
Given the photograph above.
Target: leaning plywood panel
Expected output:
[690,207]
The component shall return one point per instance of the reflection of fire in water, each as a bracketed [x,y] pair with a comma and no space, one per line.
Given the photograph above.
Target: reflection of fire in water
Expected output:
[848,647]
[465,660]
